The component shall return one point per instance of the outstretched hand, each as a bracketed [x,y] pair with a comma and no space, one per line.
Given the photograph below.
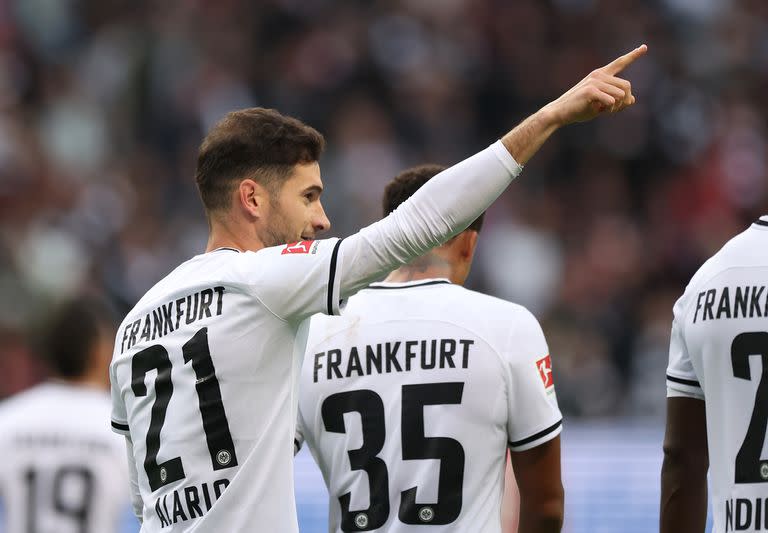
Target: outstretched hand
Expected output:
[601,92]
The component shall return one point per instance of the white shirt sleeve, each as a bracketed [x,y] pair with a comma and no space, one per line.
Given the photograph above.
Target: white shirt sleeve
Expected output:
[298,439]
[682,380]
[534,417]
[133,478]
[119,415]
[298,280]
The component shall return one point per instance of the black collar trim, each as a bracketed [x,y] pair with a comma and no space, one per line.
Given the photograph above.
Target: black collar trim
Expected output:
[761,222]
[432,282]
[227,248]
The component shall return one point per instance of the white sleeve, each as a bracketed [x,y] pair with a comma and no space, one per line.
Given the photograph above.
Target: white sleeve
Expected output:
[298,439]
[534,417]
[682,380]
[136,501]
[119,416]
[294,281]
[440,209]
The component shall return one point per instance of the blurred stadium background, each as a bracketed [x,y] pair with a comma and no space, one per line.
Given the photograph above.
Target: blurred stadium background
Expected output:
[103,104]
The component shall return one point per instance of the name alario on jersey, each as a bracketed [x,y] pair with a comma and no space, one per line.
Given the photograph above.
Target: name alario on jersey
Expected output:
[188,503]
[387,357]
[166,318]
[749,301]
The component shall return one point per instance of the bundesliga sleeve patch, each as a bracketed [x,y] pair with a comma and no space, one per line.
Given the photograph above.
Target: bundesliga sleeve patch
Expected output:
[544,366]
[301,247]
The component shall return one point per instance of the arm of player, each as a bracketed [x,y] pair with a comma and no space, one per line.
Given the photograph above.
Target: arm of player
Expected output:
[313,277]
[450,201]
[684,471]
[541,490]
[133,480]
[510,502]
[533,425]
[686,454]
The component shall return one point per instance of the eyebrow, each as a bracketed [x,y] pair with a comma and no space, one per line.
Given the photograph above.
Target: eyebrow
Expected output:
[313,188]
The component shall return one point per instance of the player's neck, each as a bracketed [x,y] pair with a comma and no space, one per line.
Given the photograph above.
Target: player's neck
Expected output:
[223,236]
[428,266]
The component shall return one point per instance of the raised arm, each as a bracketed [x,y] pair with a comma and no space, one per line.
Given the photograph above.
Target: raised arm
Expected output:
[450,201]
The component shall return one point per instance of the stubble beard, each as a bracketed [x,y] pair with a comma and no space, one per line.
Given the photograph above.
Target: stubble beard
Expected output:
[277,231]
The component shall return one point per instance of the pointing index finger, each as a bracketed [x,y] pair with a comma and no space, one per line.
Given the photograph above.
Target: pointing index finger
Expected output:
[622,62]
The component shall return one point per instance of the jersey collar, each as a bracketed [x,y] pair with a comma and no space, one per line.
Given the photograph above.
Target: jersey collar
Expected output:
[762,221]
[227,248]
[409,284]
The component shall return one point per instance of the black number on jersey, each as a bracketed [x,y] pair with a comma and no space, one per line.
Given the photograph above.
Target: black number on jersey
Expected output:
[749,467]
[217,434]
[415,445]
[70,496]
[371,409]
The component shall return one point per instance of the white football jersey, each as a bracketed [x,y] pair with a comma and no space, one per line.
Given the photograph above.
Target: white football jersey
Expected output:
[64,471]
[204,380]
[719,353]
[409,401]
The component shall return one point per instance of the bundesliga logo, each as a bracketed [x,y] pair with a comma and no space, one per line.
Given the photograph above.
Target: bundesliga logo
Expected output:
[301,247]
[544,367]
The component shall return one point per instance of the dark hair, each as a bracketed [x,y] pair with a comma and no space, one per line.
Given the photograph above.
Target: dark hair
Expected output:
[70,333]
[255,143]
[408,182]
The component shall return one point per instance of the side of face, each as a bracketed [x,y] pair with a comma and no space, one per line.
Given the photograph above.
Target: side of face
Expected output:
[295,212]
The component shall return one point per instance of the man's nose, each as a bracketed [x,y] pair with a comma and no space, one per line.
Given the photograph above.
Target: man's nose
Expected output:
[321,222]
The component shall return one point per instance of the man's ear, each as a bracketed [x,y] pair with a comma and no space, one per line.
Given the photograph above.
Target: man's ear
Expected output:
[252,198]
[468,240]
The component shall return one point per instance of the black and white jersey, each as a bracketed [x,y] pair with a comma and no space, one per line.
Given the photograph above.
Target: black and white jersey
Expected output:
[409,401]
[63,470]
[204,374]
[205,367]
[719,353]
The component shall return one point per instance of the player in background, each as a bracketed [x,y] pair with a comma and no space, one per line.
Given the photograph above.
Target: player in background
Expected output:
[717,393]
[410,399]
[64,470]
[205,366]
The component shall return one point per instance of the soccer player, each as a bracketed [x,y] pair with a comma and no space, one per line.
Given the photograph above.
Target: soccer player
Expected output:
[717,389]
[205,367]
[64,470]
[410,399]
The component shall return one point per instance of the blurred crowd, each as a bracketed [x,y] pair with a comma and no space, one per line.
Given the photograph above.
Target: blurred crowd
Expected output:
[103,104]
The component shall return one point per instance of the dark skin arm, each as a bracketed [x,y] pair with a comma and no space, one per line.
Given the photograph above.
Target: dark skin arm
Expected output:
[541,489]
[684,472]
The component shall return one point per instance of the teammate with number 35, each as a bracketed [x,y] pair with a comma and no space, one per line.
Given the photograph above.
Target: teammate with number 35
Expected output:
[717,388]
[205,367]
[437,381]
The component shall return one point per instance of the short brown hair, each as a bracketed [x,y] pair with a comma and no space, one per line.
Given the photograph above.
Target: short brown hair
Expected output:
[408,182]
[257,143]
[70,332]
